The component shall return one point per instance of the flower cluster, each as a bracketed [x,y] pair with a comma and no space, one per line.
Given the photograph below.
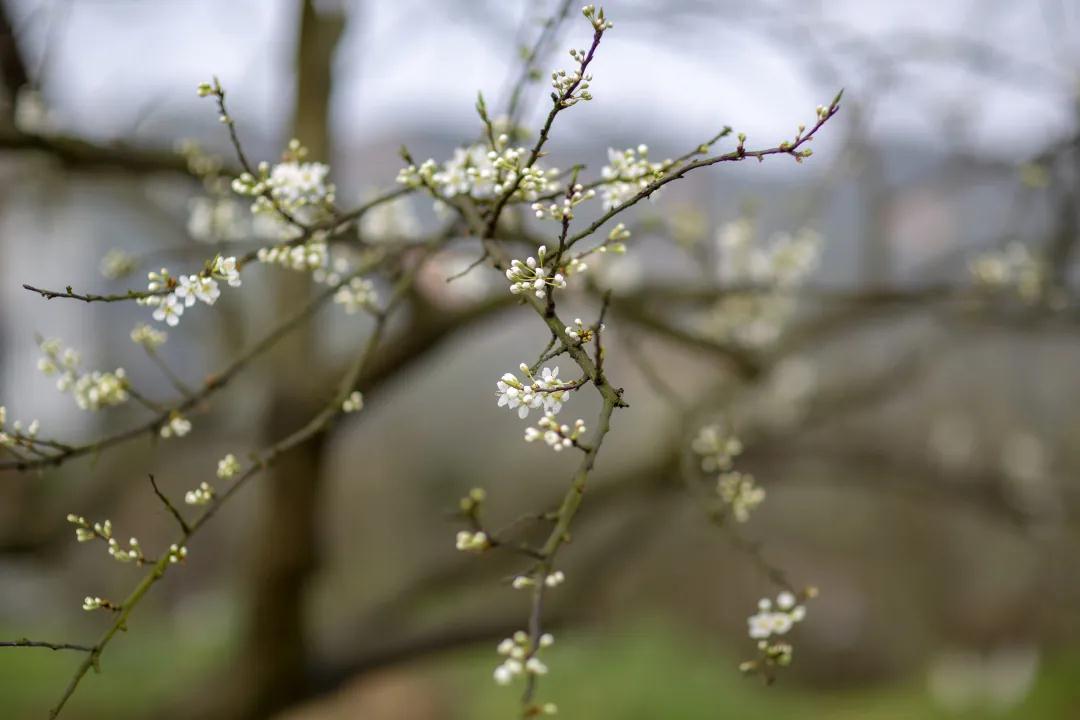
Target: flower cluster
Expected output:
[201,495]
[572,87]
[228,467]
[613,243]
[521,657]
[169,296]
[482,173]
[532,276]
[308,256]
[1013,268]
[564,210]
[95,603]
[295,187]
[580,332]
[774,619]
[599,22]
[116,264]
[547,391]
[358,294]
[551,580]
[176,426]
[92,390]
[717,447]
[353,403]
[85,532]
[627,173]
[475,542]
[756,316]
[15,434]
[149,337]
[738,490]
[555,435]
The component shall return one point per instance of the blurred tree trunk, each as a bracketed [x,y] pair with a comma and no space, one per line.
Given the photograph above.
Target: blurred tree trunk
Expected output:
[274,654]
[13,73]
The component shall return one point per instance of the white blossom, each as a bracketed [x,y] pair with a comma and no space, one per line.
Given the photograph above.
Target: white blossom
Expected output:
[177,426]
[91,390]
[772,620]
[555,435]
[116,264]
[201,495]
[532,276]
[717,447]
[627,173]
[149,337]
[545,391]
[358,294]
[474,542]
[353,403]
[738,490]
[228,467]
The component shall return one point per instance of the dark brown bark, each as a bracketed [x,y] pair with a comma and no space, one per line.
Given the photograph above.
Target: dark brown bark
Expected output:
[274,655]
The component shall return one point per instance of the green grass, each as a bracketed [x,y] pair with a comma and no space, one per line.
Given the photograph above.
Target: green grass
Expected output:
[653,671]
[650,670]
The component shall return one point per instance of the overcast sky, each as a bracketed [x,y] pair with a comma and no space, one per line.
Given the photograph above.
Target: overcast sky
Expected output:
[679,69]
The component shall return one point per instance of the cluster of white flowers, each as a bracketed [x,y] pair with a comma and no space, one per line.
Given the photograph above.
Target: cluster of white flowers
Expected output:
[564,210]
[149,337]
[520,657]
[481,173]
[308,256]
[783,262]
[172,295]
[532,276]
[627,173]
[1013,268]
[771,621]
[551,580]
[718,446]
[16,434]
[613,243]
[92,390]
[547,391]
[176,426]
[775,618]
[201,495]
[116,264]
[85,532]
[228,467]
[580,332]
[555,435]
[299,188]
[95,603]
[358,294]
[177,553]
[739,490]
[473,541]
[353,403]
[757,316]
[599,22]
[572,87]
